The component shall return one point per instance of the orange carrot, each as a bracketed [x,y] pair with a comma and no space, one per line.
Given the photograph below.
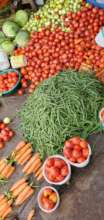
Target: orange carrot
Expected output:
[26,159]
[21,198]
[17,184]
[11,171]
[23,150]
[6,170]
[31,214]
[30,193]
[20,189]
[32,167]
[5,207]
[38,166]
[40,177]
[30,162]
[38,172]
[20,145]
[22,158]
[3,166]
[7,211]
[4,200]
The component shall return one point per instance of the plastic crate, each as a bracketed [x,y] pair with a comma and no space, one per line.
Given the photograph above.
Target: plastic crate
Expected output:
[97,3]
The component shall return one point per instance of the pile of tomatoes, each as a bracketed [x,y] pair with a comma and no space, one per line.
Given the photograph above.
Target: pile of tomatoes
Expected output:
[8,81]
[76,150]
[56,169]
[50,51]
[6,134]
[48,199]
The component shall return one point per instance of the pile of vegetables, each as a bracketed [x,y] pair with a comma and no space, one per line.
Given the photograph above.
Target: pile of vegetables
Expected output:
[12,34]
[8,81]
[61,107]
[52,13]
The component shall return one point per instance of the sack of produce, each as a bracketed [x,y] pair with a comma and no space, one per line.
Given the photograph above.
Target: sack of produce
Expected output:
[18,61]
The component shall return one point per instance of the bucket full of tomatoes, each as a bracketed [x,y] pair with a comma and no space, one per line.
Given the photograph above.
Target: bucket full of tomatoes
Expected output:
[9,81]
[77,151]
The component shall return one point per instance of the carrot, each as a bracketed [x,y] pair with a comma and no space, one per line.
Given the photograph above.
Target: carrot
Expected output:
[33,158]
[11,171]
[23,150]
[23,196]
[6,170]
[4,200]
[38,166]
[17,184]
[31,191]
[26,153]
[32,167]
[1,197]
[18,190]
[7,211]
[3,166]
[40,177]
[5,207]
[38,172]
[26,159]
[20,145]
[31,214]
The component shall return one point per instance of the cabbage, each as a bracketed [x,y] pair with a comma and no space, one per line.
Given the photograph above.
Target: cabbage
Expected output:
[22,38]
[2,37]
[10,29]
[8,46]
[21,18]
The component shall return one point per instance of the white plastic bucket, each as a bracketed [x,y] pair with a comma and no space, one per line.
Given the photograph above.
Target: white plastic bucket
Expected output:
[102,123]
[4,61]
[85,163]
[39,199]
[67,178]
[100,38]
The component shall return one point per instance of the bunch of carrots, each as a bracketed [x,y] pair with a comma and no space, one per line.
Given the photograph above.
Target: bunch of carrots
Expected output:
[23,152]
[5,206]
[34,165]
[21,191]
[6,169]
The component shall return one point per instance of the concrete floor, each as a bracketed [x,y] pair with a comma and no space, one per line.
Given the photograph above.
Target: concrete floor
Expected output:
[83,198]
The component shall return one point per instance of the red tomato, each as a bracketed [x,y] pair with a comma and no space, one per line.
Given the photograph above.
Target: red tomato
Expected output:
[75,140]
[50,162]
[73,159]
[76,154]
[64,171]
[58,163]
[83,144]
[77,147]
[47,204]
[54,171]
[80,159]
[68,144]
[59,178]
[85,152]
[1,145]
[67,153]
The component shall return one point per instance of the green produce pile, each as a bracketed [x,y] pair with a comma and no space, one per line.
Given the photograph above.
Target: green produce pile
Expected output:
[52,14]
[61,107]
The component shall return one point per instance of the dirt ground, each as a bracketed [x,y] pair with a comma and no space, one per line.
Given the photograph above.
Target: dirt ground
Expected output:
[82,199]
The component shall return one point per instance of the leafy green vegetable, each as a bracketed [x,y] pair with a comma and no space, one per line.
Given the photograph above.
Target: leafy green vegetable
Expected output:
[21,18]
[10,29]
[2,37]
[22,38]
[8,46]
[61,107]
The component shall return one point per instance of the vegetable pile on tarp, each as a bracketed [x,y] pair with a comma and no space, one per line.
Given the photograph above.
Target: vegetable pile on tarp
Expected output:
[52,13]
[61,107]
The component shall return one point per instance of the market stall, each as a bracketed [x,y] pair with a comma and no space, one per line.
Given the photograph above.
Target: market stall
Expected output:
[51,112]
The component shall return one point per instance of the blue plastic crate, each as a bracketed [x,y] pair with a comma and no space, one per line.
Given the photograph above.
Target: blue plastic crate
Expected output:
[98,3]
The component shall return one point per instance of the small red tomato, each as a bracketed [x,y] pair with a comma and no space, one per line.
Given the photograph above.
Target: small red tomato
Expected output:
[50,162]
[54,171]
[67,153]
[5,138]
[85,152]
[58,163]
[47,192]
[75,140]
[10,133]
[47,204]
[20,92]
[76,154]
[73,159]
[77,147]
[68,144]
[59,178]
[80,159]
[83,144]
[64,171]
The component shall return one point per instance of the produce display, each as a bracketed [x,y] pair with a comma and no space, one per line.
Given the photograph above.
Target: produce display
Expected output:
[48,199]
[56,169]
[76,150]
[8,81]
[63,106]
[6,134]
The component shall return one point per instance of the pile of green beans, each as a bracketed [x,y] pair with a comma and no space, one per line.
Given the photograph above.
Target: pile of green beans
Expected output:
[63,106]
